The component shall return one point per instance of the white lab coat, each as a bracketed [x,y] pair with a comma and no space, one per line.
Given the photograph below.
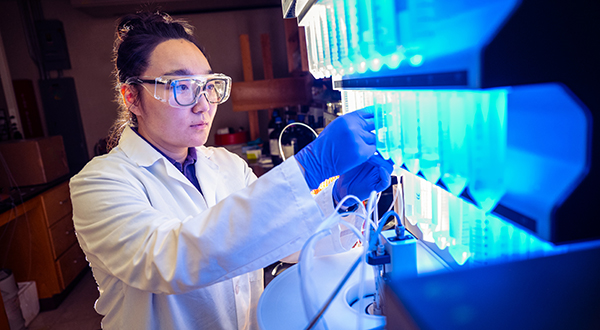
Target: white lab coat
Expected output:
[167,257]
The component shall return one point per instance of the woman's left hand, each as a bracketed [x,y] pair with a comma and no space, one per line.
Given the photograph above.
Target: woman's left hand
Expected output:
[374,174]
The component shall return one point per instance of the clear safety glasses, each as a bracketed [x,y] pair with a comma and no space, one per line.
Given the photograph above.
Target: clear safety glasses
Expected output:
[184,91]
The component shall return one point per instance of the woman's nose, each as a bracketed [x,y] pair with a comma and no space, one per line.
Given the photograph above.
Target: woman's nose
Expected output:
[201,105]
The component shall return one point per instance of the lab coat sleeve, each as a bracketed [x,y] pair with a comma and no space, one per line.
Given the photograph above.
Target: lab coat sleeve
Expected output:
[341,238]
[150,249]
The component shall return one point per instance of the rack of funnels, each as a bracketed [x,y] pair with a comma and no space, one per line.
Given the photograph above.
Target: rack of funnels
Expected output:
[452,149]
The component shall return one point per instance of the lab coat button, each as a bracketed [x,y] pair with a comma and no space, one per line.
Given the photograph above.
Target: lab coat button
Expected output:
[237,289]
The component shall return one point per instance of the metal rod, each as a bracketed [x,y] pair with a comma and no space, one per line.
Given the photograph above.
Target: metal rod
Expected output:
[335,293]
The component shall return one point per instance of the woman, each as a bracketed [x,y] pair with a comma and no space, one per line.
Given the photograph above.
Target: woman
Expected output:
[177,233]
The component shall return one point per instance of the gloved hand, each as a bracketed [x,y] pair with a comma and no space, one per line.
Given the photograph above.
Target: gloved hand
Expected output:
[344,144]
[375,174]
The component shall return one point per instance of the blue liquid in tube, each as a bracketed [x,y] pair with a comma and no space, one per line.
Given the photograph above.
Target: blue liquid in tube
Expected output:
[410,188]
[366,38]
[351,18]
[429,132]
[394,124]
[417,22]
[388,126]
[425,210]
[319,42]
[460,218]
[342,33]
[334,41]
[384,22]
[314,22]
[478,242]
[486,184]
[326,64]
[382,128]
[454,116]
[410,130]
[441,233]
[436,210]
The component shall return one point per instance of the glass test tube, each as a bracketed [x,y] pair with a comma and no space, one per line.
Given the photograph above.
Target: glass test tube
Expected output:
[486,182]
[429,162]
[441,233]
[455,112]
[425,209]
[351,17]
[365,33]
[334,42]
[312,49]
[460,219]
[410,130]
[410,188]
[382,111]
[325,64]
[342,34]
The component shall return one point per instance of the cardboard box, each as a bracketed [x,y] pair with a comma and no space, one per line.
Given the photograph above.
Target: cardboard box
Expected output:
[32,161]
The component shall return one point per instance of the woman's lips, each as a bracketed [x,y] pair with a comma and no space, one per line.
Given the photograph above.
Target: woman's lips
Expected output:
[200,125]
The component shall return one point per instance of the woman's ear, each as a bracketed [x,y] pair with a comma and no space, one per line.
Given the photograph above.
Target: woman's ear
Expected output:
[130,97]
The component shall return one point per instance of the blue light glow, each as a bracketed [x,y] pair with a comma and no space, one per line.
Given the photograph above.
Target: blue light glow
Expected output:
[416,60]
[456,136]
[347,32]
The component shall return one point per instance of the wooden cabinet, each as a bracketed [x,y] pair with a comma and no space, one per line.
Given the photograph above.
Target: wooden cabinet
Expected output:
[39,244]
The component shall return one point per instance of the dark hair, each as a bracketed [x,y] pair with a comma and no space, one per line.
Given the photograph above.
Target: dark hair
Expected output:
[137,36]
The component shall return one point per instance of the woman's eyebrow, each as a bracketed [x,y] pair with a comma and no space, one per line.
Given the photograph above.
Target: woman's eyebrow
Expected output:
[178,72]
[183,72]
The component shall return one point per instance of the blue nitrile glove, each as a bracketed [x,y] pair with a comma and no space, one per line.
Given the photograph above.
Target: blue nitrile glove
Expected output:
[375,174]
[344,144]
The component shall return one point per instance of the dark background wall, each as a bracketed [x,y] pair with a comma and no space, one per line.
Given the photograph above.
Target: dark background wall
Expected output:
[90,40]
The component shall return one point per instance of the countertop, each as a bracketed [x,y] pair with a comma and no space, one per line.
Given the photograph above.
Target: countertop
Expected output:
[20,195]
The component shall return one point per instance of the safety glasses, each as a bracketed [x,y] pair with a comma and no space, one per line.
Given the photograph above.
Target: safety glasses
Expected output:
[184,91]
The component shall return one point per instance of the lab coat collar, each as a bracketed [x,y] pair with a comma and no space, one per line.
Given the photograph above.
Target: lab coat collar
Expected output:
[138,150]
[204,151]
[144,155]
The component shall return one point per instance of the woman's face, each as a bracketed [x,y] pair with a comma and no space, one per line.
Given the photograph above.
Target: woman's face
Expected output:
[174,129]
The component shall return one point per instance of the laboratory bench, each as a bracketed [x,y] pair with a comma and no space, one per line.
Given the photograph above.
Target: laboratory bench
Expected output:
[38,240]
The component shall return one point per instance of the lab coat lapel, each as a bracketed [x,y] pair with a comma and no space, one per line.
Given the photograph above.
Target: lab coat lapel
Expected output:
[208,175]
[146,156]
